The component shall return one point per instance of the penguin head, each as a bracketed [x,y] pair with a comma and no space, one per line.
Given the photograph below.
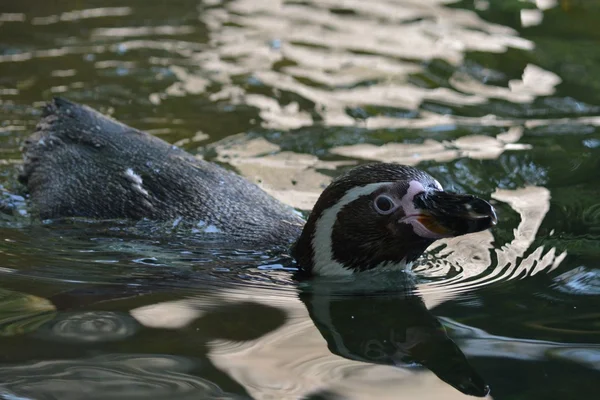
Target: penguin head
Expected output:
[384,216]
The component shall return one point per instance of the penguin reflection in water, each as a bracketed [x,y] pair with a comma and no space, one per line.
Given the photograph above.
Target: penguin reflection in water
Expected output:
[389,327]
[375,217]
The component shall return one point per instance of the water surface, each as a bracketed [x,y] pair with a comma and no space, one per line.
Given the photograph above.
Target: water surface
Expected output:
[498,99]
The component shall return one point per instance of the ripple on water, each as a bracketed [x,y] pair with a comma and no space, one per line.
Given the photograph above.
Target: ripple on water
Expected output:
[89,327]
[115,252]
[111,376]
[472,261]
[581,281]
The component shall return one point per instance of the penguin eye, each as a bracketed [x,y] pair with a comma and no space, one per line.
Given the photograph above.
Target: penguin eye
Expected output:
[384,204]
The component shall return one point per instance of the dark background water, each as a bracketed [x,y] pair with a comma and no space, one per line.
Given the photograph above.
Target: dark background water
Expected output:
[496,98]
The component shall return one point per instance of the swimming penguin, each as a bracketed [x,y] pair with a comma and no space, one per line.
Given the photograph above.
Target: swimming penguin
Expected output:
[80,163]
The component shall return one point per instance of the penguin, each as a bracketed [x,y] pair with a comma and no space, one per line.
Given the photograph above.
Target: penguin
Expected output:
[381,216]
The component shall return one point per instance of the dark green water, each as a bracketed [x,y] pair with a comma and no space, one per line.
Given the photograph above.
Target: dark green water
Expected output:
[500,99]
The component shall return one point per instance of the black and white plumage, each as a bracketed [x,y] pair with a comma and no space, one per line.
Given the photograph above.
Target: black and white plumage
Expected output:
[80,163]
[384,216]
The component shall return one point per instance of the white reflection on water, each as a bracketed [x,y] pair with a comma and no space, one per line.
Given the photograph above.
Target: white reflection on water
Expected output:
[531,17]
[329,56]
[167,315]
[83,14]
[471,255]
[143,31]
[363,56]
[477,147]
[290,177]
[534,82]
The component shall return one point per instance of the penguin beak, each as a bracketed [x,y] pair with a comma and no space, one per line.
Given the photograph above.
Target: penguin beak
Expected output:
[448,214]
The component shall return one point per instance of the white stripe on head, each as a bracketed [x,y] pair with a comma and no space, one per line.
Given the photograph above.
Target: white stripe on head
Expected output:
[412,213]
[323,262]
[414,188]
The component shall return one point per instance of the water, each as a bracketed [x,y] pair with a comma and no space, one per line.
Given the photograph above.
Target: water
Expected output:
[498,99]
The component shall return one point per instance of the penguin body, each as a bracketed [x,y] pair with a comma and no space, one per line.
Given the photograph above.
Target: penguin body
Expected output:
[80,163]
